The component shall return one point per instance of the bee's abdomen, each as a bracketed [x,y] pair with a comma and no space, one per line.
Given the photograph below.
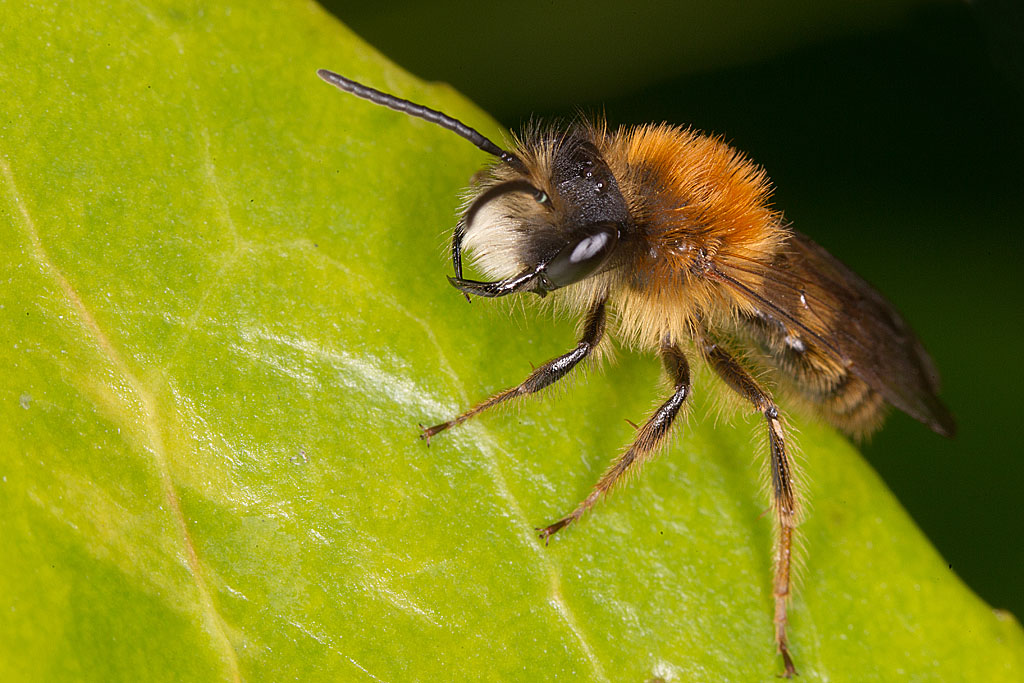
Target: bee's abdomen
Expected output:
[851,405]
[826,386]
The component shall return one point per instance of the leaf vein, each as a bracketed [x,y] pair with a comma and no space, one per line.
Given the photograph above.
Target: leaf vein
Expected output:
[145,397]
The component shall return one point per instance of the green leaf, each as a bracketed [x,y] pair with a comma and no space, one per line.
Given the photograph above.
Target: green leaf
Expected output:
[223,311]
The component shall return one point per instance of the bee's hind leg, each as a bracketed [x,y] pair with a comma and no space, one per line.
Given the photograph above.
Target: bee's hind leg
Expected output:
[784,499]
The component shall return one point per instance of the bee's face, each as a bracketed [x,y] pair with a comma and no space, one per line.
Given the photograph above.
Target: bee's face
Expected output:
[552,220]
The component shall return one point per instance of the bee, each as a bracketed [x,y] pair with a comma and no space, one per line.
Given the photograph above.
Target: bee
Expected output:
[665,238]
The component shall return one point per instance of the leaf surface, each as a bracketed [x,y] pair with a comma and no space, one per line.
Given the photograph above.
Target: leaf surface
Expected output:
[223,311]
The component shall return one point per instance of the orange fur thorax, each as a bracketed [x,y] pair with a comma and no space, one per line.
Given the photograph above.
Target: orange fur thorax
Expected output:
[694,201]
[691,190]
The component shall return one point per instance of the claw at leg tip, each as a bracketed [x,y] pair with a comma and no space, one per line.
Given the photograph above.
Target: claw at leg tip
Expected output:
[790,668]
[424,433]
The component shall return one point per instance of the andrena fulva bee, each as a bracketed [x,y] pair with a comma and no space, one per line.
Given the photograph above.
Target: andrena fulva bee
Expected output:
[666,238]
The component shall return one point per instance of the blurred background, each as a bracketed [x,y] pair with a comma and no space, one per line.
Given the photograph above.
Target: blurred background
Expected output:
[894,133]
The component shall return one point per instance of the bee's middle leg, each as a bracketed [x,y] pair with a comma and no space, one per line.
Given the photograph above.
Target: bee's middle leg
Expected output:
[648,438]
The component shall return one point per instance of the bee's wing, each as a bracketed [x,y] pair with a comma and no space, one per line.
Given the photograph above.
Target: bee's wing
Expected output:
[810,292]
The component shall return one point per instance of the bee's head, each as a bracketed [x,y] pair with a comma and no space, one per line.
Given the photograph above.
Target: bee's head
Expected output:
[550,217]
[544,218]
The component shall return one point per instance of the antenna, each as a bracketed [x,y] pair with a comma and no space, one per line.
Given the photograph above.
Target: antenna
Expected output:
[417,110]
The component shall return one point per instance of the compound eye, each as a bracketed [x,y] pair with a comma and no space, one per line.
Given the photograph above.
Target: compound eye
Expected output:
[583,256]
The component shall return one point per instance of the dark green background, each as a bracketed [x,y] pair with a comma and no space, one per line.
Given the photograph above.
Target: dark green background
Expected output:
[895,137]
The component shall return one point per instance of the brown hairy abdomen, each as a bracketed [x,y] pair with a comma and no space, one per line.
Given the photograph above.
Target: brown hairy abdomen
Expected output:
[813,377]
[840,398]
